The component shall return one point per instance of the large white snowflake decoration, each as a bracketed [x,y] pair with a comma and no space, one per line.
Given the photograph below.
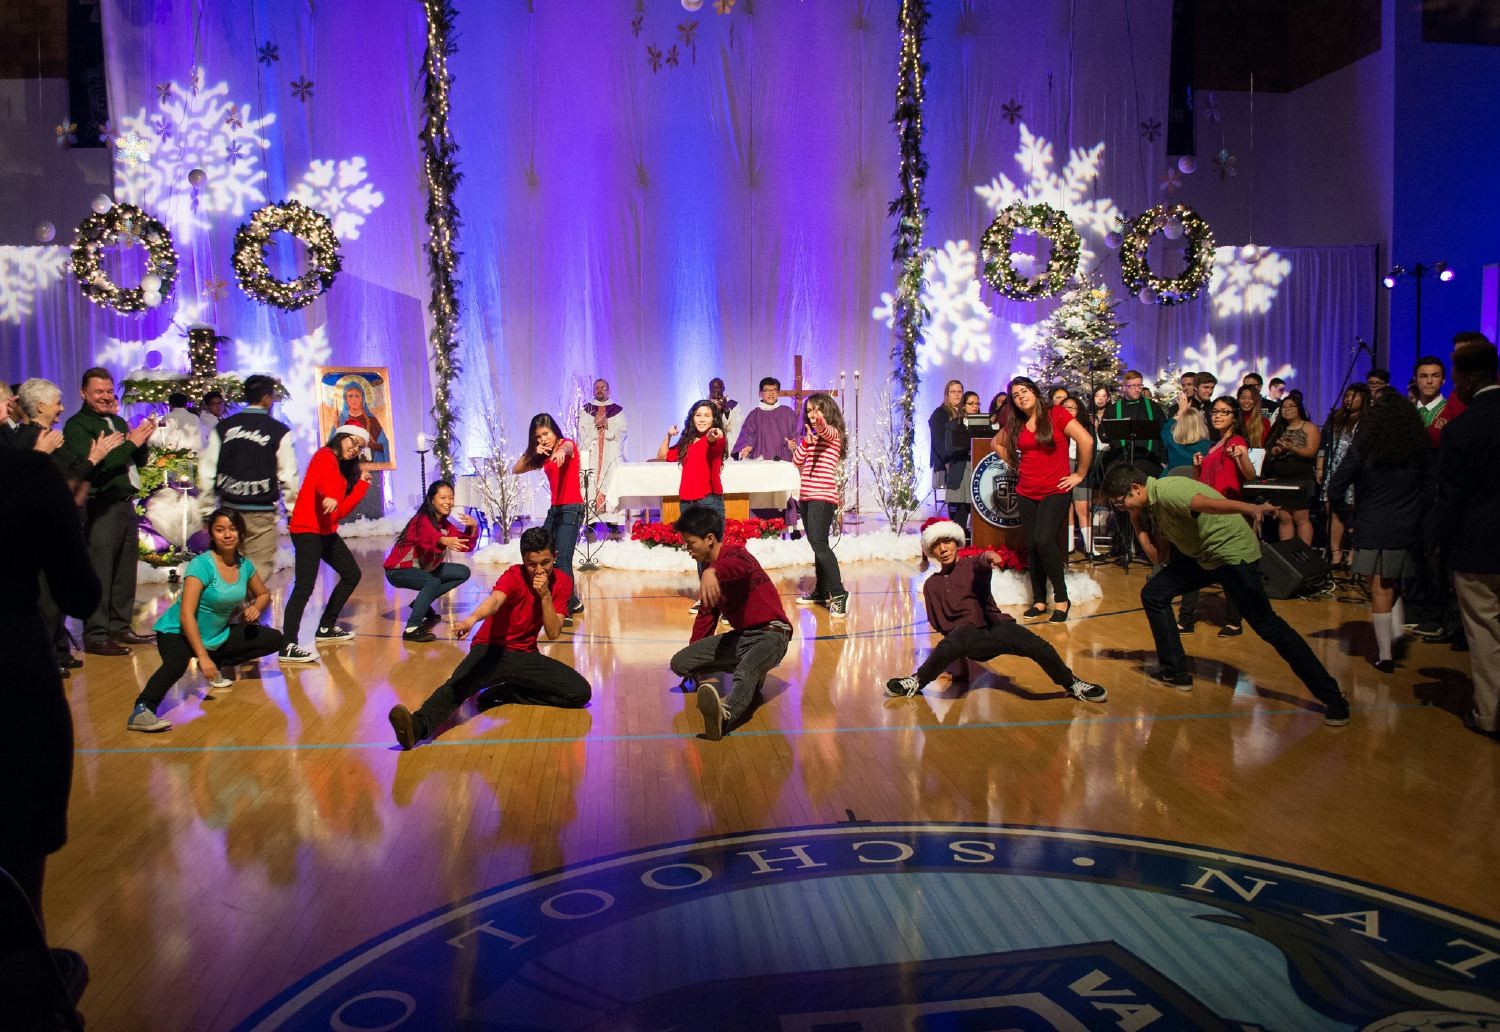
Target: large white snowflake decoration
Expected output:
[171,343]
[1027,336]
[301,380]
[1227,368]
[958,323]
[1245,279]
[1072,190]
[201,136]
[342,192]
[24,273]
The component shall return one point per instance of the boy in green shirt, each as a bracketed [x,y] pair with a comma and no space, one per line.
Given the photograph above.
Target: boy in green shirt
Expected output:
[1212,544]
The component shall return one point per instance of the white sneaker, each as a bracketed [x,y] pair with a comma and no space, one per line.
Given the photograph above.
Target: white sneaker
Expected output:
[294,653]
[219,685]
[1087,690]
[715,713]
[142,719]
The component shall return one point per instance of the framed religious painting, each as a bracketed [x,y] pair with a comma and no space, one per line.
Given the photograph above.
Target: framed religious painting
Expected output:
[361,396]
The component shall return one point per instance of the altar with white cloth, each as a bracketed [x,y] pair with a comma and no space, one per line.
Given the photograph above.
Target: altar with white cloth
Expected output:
[748,484]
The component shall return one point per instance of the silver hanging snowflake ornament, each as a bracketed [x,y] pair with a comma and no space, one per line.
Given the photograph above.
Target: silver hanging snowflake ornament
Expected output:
[303,89]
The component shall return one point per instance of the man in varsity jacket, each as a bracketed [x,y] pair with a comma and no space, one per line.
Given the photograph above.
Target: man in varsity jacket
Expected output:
[246,463]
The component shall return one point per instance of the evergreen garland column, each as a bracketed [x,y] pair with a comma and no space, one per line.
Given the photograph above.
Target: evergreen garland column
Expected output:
[441,172]
[911,217]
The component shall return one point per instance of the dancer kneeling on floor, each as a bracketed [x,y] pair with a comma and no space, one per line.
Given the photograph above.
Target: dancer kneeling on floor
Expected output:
[733,586]
[961,607]
[417,560]
[527,599]
[215,586]
[1211,544]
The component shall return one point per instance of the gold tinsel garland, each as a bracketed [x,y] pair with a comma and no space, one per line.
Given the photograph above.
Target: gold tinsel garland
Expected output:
[998,242]
[1136,271]
[99,231]
[313,228]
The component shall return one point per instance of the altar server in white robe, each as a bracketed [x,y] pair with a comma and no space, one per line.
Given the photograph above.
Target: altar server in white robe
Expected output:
[601,446]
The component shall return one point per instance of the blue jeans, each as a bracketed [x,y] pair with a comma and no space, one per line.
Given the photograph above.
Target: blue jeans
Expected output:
[429,586]
[714,502]
[565,521]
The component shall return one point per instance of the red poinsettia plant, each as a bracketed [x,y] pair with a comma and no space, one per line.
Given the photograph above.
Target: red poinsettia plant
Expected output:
[736,532]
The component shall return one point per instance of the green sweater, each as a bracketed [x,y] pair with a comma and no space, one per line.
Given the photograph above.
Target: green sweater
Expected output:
[110,481]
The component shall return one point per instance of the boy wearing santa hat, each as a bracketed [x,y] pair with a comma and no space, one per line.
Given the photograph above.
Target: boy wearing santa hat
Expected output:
[961,608]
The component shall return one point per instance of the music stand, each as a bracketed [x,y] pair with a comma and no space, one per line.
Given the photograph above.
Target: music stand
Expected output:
[1131,431]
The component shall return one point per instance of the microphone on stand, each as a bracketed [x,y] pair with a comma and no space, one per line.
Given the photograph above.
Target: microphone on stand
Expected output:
[1360,345]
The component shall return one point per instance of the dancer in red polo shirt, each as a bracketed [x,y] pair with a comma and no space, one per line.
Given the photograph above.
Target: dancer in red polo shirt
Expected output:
[527,599]
[733,586]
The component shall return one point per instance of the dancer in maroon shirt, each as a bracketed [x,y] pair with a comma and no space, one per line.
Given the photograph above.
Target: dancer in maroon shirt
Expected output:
[960,606]
[734,587]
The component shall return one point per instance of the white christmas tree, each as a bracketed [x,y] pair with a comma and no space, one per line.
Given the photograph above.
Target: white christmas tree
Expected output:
[1080,347]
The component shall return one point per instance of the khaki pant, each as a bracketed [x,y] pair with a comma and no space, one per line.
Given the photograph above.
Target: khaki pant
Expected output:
[1479,601]
[260,542]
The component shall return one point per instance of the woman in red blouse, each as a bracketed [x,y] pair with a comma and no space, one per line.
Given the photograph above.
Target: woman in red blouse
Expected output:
[418,559]
[557,456]
[332,486]
[1034,441]
[1225,468]
[700,454]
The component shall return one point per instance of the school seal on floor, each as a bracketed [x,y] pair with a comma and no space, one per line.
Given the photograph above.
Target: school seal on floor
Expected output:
[867,927]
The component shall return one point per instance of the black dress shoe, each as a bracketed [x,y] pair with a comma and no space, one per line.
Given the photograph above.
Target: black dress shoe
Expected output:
[131,638]
[1473,725]
[105,647]
[69,662]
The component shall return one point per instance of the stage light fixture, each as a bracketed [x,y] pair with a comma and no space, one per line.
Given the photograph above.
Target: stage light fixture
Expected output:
[1420,271]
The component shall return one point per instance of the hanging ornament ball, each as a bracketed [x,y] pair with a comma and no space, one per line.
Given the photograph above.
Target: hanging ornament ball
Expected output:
[1147,296]
[151,298]
[1250,253]
[153,360]
[691,5]
[1172,230]
[1112,240]
[197,177]
[1187,164]
[150,282]
[45,231]
[101,204]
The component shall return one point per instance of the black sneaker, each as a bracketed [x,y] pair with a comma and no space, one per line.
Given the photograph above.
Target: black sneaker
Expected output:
[294,653]
[1186,626]
[418,633]
[575,607]
[1182,682]
[809,599]
[338,632]
[1087,691]
[1230,630]
[404,726]
[903,687]
[838,605]
[431,620]
[1336,713]
[567,622]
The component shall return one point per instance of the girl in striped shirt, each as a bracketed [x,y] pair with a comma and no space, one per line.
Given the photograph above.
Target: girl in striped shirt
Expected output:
[817,457]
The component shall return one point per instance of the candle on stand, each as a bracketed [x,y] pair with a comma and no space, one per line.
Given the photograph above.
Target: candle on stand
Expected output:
[421,442]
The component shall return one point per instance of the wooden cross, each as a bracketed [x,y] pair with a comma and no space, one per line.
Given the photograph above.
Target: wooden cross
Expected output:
[800,393]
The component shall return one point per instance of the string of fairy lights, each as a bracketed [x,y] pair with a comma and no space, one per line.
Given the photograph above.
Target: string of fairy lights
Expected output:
[909,313]
[442,175]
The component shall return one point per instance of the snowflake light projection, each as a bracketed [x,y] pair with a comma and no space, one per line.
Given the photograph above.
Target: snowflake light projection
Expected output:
[1229,369]
[1071,190]
[171,343]
[200,137]
[301,379]
[1245,279]
[959,322]
[341,191]
[24,273]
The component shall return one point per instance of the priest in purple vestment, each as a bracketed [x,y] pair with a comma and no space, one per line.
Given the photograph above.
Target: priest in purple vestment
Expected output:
[764,435]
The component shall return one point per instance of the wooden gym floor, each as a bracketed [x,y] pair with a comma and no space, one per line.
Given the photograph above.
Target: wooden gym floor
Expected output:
[276,827]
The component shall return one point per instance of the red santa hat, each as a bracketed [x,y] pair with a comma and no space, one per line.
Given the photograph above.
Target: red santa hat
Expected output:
[354,430]
[940,529]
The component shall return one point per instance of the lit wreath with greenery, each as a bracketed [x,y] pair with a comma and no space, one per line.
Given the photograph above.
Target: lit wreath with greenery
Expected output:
[996,245]
[313,228]
[1200,254]
[98,231]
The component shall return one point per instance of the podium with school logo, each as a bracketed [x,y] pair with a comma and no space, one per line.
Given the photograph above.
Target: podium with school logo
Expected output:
[992,492]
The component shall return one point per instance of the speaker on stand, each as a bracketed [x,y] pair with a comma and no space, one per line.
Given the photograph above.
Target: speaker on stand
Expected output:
[1290,568]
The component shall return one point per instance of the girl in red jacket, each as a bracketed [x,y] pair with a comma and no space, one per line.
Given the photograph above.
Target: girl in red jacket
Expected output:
[557,456]
[332,486]
[417,560]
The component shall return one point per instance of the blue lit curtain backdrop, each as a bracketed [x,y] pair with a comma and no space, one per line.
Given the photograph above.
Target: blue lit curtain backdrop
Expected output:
[657,197]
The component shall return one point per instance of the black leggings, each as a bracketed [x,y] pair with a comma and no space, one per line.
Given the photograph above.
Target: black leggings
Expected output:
[817,519]
[1043,522]
[245,642]
[1001,639]
[310,549]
